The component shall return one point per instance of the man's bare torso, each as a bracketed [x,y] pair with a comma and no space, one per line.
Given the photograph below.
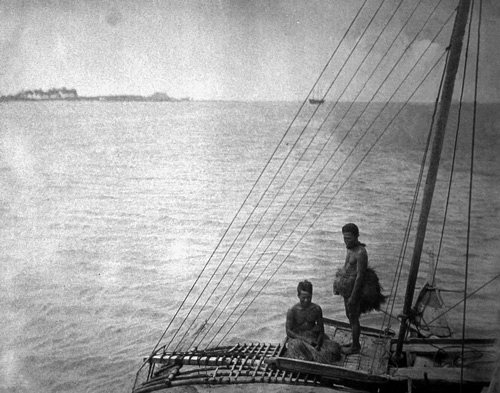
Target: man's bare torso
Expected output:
[304,320]
[351,260]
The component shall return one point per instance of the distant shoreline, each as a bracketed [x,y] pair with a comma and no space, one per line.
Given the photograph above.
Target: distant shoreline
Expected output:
[64,94]
[98,98]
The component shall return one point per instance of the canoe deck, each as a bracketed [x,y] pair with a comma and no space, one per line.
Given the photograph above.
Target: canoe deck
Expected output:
[374,356]
[267,363]
[240,364]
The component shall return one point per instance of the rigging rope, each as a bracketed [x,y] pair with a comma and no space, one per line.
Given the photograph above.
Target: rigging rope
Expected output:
[471,182]
[314,203]
[455,148]
[352,51]
[261,199]
[404,246]
[468,296]
[342,184]
[269,183]
[338,190]
[314,112]
[405,241]
[374,69]
[258,179]
[384,108]
[310,165]
[399,267]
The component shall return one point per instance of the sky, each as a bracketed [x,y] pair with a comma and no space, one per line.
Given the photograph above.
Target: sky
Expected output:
[212,49]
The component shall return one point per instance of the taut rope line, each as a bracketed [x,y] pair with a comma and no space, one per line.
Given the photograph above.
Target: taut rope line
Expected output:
[310,143]
[332,198]
[404,246]
[471,179]
[401,83]
[251,191]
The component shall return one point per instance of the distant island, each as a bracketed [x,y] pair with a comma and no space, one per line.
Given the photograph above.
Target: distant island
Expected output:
[72,95]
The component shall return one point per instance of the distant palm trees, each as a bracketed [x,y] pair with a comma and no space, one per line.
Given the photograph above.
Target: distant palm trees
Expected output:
[39,94]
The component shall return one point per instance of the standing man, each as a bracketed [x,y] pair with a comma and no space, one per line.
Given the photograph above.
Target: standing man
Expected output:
[358,284]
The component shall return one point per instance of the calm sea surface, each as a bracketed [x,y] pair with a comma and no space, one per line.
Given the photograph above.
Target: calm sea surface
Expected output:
[109,211]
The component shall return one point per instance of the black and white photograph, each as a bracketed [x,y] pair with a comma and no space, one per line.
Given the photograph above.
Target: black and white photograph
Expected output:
[249,196]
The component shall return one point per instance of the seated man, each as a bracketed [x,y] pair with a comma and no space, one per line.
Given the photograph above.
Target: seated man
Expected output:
[305,330]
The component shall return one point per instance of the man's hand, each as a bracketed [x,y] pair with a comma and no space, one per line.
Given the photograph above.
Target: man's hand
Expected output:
[317,345]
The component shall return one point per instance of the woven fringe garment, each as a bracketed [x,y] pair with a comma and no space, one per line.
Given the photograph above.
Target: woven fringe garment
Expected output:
[371,291]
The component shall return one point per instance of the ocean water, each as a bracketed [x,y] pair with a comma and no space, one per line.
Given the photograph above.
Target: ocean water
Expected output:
[110,210]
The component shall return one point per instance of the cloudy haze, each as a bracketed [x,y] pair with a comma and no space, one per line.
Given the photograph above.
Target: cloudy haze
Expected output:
[226,49]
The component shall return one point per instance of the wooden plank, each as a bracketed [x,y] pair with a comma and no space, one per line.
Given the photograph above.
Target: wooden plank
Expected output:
[428,348]
[447,341]
[326,370]
[431,345]
[443,375]
[374,355]
[199,360]
[364,329]
[249,354]
[495,375]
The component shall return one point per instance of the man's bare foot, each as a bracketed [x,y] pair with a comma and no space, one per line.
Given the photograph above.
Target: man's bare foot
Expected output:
[351,350]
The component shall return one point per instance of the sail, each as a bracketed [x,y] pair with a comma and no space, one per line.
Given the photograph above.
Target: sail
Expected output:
[317,96]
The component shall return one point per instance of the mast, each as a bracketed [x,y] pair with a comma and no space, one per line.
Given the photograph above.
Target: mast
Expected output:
[442,119]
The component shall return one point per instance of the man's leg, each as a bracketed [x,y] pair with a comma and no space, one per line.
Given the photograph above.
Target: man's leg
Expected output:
[349,319]
[353,315]
[356,332]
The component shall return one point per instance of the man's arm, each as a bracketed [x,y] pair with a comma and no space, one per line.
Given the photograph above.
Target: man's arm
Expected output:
[321,328]
[290,324]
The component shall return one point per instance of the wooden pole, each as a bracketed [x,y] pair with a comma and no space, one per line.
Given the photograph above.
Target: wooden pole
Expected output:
[442,119]
[495,377]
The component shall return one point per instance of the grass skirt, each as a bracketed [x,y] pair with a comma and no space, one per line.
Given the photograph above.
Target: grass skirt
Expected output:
[371,291]
[300,349]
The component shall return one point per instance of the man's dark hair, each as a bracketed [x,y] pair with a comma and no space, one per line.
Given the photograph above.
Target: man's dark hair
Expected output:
[305,286]
[351,228]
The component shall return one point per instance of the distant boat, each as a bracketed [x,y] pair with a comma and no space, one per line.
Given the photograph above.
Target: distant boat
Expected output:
[317,97]
[316,101]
